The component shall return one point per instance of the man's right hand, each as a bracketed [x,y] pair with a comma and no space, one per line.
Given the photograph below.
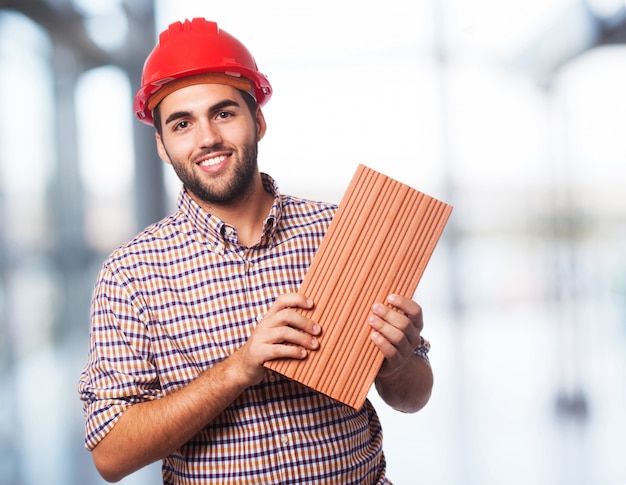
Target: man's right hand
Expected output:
[283,333]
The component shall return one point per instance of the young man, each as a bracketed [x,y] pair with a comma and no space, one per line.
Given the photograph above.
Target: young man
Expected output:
[185,315]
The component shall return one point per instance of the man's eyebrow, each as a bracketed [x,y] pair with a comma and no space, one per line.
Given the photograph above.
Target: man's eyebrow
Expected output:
[225,104]
[176,116]
[216,107]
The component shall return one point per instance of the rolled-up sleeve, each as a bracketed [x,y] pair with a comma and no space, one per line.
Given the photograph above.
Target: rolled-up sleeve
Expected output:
[120,370]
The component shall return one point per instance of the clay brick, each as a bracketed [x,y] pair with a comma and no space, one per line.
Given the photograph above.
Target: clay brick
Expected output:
[380,241]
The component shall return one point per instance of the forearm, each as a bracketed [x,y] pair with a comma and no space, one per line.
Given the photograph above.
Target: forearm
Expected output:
[408,389]
[152,430]
[149,431]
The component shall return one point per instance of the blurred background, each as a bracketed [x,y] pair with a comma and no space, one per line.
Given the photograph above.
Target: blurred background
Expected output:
[513,112]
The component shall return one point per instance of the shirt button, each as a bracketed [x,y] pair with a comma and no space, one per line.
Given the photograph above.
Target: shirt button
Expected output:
[284,439]
[272,377]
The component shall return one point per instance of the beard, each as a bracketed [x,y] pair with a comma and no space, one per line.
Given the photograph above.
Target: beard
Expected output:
[224,192]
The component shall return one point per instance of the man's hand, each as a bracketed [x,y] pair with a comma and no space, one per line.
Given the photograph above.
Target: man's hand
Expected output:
[405,380]
[396,331]
[283,333]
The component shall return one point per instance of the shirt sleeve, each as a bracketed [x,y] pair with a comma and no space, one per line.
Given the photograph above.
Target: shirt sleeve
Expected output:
[120,370]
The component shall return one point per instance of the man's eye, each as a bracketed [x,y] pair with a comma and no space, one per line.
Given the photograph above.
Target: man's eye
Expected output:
[182,125]
[223,115]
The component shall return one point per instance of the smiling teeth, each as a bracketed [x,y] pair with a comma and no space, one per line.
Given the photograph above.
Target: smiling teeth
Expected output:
[212,161]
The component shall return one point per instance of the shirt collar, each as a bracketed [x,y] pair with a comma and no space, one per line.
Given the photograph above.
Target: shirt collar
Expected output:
[216,231]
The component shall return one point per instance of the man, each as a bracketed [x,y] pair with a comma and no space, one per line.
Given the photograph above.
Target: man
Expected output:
[185,315]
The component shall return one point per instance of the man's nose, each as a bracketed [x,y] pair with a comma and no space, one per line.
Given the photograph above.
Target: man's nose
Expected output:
[208,134]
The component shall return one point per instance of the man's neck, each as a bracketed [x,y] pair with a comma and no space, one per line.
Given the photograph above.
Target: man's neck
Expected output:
[247,214]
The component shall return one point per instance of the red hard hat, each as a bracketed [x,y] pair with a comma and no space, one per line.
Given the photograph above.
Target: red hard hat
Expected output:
[193,48]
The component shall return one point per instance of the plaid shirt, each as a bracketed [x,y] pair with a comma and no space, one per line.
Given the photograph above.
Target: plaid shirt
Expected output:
[181,297]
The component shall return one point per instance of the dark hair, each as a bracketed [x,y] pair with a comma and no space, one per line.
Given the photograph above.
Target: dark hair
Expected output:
[156,113]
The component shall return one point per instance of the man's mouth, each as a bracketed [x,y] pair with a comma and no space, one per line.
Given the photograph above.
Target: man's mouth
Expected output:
[209,162]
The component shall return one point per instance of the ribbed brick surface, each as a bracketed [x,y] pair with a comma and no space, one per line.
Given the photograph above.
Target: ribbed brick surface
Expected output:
[379,242]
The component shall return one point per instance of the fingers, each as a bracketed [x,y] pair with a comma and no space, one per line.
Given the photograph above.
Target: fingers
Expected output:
[284,333]
[404,314]
[409,307]
[397,328]
[290,300]
[284,317]
[291,327]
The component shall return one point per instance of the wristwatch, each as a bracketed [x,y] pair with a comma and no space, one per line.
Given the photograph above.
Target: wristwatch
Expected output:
[422,349]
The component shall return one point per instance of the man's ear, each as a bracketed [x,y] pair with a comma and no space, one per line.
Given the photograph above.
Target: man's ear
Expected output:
[261,125]
[161,149]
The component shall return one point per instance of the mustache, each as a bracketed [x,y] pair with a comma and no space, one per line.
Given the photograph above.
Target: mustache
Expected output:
[209,151]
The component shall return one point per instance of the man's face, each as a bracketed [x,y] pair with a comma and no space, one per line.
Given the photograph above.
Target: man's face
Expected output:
[210,138]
